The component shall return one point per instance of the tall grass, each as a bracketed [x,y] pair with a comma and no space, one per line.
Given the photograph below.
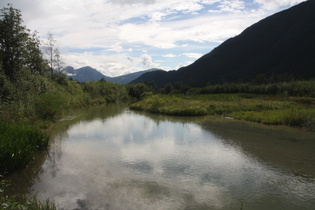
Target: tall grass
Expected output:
[30,203]
[272,110]
[7,202]
[18,144]
[212,104]
[304,118]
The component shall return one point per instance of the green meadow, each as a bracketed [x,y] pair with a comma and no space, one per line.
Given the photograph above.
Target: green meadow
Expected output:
[272,110]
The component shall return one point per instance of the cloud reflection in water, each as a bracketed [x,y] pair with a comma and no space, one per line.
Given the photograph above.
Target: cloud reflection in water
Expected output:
[132,161]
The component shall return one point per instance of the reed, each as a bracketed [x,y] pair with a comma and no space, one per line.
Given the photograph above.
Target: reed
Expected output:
[221,104]
[30,203]
[18,143]
[304,118]
[273,110]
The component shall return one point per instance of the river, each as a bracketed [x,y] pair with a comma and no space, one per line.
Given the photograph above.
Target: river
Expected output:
[110,157]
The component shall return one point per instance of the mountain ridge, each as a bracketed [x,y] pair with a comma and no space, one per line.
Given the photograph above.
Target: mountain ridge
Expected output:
[283,43]
[87,73]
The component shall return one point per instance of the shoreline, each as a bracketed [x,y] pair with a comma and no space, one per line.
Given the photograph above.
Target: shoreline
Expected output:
[267,110]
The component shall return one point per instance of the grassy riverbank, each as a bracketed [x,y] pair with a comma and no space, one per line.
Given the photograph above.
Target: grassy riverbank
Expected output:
[31,104]
[273,110]
[18,145]
[38,101]
[25,203]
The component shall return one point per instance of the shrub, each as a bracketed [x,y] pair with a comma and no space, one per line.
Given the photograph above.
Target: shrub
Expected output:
[49,106]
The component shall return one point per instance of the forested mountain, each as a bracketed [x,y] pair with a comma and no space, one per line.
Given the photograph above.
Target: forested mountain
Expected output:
[87,73]
[281,44]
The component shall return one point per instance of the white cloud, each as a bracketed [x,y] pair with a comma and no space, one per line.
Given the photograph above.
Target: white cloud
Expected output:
[210,2]
[146,60]
[184,64]
[274,4]
[93,38]
[187,6]
[110,65]
[132,1]
[151,34]
[116,36]
[232,5]
[116,47]
[169,56]
[193,55]
[210,28]
[157,16]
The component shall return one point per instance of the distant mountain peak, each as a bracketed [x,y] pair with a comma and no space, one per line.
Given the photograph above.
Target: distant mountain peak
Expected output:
[87,73]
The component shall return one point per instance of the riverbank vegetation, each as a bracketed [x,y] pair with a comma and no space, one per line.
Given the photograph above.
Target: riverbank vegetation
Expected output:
[18,143]
[267,109]
[23,203]
[280,100]
[38,100]
[34,93]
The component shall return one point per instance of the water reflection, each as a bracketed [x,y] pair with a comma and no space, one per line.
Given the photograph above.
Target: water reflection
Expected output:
[117,159]
[284,148]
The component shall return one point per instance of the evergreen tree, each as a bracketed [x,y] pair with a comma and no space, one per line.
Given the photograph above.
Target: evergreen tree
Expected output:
[18,48]
[13,37]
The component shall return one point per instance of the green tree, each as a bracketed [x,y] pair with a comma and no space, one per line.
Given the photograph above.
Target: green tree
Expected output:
[34,56]
[18,48]
[13,38]
[137,90]
[168,88]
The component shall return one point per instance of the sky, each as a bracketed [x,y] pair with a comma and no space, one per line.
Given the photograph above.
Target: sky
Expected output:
[118,37]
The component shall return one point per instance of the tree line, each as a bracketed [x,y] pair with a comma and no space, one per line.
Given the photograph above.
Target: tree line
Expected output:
[34,92]
[288,88]
[32,85]
[299,88]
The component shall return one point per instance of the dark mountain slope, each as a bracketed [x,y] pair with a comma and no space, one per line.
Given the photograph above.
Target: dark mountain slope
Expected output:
[127,78]
[158,77]
[283,43]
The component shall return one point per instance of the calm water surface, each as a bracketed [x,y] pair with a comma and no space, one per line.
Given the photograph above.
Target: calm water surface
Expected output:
[113,158]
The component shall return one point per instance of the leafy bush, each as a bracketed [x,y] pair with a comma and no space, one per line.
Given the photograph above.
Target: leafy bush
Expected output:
[102,91]
[137,90]
[49,106]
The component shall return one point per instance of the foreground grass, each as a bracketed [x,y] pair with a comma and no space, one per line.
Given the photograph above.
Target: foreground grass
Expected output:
[18,143]
[25,203]
[256,108]
[31,203]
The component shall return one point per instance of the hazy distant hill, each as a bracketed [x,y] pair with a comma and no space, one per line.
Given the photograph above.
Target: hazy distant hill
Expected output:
[283,43]
[84,74]
[87,73]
